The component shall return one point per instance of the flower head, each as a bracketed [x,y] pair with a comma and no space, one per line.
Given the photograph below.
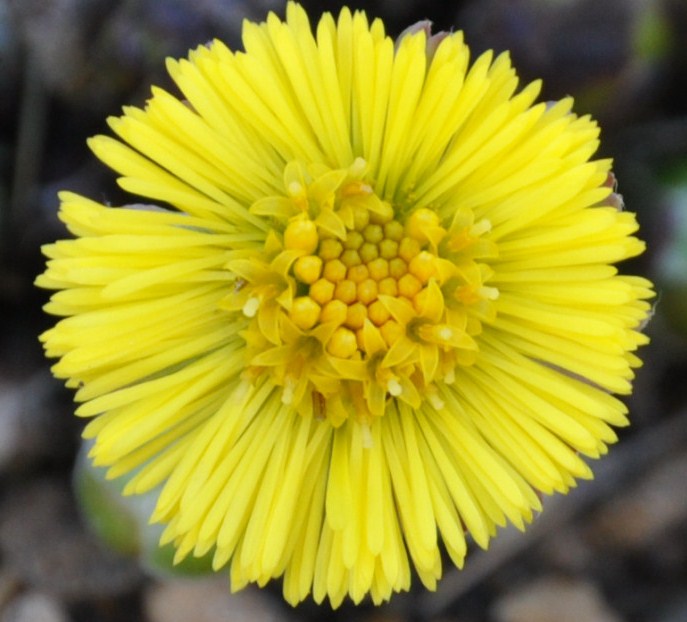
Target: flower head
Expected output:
[377,311]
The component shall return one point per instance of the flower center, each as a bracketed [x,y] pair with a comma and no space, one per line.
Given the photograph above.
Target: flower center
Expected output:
[353,301]
[344,281]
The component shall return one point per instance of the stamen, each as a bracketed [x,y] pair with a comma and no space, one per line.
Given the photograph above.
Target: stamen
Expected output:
[481,227]
[445,333]
[241,391]
[368,441]
[394,387]
[295,189]
[251,306]
[490,293]
[434,399]
[358,167]
[287,393]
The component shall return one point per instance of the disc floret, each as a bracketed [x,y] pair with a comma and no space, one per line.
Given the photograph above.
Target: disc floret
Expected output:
[355,300]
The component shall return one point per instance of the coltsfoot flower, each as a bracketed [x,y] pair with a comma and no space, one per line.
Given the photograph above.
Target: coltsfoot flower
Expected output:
[376,312]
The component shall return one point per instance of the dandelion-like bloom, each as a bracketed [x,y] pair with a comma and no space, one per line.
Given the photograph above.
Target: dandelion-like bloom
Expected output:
[378,311]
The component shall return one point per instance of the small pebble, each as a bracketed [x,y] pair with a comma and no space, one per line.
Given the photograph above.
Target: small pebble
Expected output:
[209,600]
[34,607]
[553,599]
[640,515]
[45,545]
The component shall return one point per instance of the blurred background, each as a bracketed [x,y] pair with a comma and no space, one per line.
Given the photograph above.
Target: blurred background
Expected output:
[613,550]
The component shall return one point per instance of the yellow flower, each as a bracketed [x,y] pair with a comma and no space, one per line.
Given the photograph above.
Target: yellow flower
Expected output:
[377,313]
